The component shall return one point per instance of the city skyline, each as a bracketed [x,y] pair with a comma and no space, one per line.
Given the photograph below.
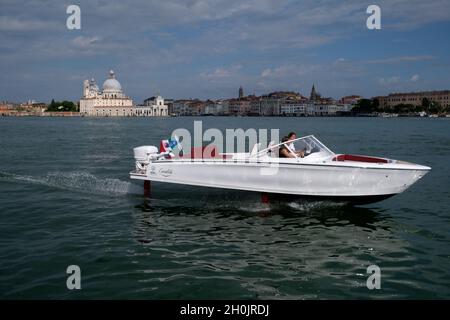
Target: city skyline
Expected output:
[202,49]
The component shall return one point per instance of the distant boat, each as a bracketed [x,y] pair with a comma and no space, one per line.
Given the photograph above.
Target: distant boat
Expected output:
[389,115]
[422,114]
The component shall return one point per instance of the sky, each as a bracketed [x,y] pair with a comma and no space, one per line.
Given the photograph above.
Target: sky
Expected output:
[208,48]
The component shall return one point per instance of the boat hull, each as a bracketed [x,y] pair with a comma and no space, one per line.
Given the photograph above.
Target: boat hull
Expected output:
[357,200]
[338,182]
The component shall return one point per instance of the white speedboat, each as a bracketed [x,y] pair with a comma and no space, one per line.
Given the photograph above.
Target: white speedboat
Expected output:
[320,174]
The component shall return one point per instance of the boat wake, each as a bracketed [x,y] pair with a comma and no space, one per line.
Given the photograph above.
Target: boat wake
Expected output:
[313,205]
[85,182]
[77,181]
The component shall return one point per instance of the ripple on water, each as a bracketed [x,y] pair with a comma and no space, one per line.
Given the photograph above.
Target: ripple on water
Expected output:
[73,203]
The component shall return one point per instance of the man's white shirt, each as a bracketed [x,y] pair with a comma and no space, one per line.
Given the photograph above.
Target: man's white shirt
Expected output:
[291,147]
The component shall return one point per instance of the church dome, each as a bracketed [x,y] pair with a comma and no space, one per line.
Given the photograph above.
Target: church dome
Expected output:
[111,84]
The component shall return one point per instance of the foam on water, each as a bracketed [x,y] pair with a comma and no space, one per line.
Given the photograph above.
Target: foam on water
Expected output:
[78,181]
[255,208]
[313,205]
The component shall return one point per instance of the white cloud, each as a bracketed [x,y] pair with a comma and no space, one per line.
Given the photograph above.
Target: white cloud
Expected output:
[219,73]
[290,71]
[84,42]
[389,81]
[407,15]
[25,24]
[266,73]
[397,80]
[393,60]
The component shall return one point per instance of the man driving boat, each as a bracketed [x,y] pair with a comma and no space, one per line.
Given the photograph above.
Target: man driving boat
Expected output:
[287,150]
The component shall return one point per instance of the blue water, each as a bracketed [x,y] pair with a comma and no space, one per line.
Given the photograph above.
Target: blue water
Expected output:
[66,198]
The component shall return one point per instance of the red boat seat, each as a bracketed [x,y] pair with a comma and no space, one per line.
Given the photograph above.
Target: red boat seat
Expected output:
[352,157]
[204,152]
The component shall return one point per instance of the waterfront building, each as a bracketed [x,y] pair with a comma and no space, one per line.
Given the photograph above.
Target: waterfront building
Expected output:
[218,108]
[294,109]
[197,107]
[321,110]
[169,103]
[270,105]
[255,107]
[234,106]
[188,107]
[351,100]
[181,107]
[7,109]
[240,106]
[212,108]
[111,101]
[152,107]
[225,106]
[415,98]
[29,108]
[33,107]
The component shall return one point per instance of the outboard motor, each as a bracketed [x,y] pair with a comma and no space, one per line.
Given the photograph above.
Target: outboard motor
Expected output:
[143,155]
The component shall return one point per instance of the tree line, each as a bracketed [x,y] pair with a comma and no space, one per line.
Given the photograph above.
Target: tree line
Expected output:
[65,105]
[373,105]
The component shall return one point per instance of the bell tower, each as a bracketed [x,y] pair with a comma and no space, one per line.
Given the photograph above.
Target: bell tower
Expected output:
[85,88]
[313,95]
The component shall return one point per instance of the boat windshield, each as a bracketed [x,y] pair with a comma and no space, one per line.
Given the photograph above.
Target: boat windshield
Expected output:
[309,143]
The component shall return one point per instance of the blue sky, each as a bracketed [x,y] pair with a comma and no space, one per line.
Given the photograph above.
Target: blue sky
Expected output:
[207,49]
